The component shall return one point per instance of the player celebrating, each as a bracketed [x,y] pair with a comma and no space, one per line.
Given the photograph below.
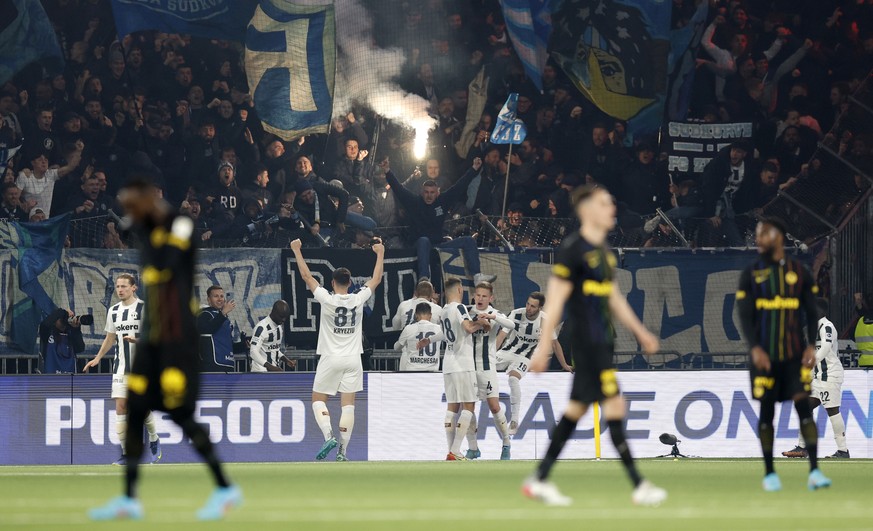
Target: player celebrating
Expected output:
[518,345]
[165,373]
[266,345]
[827,383]
[583,277]
[485,359]
[122,327]
[776,292]
[406,310]
[339,347]
[423,332]
[459,370]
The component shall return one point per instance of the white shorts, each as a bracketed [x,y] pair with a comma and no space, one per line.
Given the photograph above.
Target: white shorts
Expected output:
[508,362]
[460,387]
[342,374]
[830,393]
[119,386]
[487,383]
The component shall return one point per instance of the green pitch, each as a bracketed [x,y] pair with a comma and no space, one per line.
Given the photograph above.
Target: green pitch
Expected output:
[483,495]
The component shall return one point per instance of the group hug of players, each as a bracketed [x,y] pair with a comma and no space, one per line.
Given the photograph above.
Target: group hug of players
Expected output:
[776,302]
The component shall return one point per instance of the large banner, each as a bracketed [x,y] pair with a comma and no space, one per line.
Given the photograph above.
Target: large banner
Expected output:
[249,276]
[267,417]
[398,283]
[691,145]
[65,419]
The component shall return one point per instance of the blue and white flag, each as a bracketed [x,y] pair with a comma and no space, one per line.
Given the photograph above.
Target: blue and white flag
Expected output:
[6,154]
[529,24]
[213,19]
[291,65]
[26,35]
[509,129]
[37,265]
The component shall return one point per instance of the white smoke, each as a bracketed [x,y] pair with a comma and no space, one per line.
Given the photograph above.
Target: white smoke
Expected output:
[365,74]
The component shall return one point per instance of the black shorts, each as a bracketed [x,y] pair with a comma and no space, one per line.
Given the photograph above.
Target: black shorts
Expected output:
[595,375]
[784,381]
[164,378]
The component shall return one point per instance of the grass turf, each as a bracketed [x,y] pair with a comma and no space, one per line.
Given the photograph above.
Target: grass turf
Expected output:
[704,495]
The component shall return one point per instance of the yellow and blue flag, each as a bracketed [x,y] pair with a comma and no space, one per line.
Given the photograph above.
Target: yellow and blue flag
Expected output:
[509,129]
[291,66]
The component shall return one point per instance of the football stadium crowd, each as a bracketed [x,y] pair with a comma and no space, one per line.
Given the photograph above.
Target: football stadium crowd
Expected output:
[179,109]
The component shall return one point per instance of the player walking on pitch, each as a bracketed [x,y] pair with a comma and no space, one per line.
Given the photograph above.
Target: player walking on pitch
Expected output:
[517,346]
[122,328]
[339,347]
[827,385]
[165,373]
[583,277]
[775,294]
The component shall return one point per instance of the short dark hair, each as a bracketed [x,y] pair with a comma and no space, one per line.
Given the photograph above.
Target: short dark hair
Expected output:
[584,193]
[539,297]
[422,308]
[823,306]
[342,276]
[139,183]
[770,166]
[776,223]
[430,183]
[213,288]
[451,283]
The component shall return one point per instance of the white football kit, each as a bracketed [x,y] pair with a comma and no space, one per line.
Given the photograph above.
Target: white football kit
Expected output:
[340,342]
[123,321]
[485,353]
[827,380]
[266,344]
[426,359]
[459,370]
[520,344]
[405,315]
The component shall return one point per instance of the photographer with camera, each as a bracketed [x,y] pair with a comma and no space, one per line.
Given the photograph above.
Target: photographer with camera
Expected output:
[60,339]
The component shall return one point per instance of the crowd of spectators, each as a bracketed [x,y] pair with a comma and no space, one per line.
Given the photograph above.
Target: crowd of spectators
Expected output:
[179,108]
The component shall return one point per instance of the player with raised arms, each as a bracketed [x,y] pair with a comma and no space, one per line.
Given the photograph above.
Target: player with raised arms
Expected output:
[340,345]
[583,278]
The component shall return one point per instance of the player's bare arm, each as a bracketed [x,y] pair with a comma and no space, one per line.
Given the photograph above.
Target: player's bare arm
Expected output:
[625,315]
[108,343]
[559,291]
[305,273]
[379,249]
[559,353]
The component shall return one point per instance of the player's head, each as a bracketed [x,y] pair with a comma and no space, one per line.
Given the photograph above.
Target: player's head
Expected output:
[215,297]
[342,279]
[422,311]
[594,207]
[535,303]
[424,290]
[125,286]
[280,312]
[822,304]
[139,197]
[770,236]
[452,289]
[483,295]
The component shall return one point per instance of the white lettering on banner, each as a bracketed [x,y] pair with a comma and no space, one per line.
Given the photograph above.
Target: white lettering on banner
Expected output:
[214,425]
[235,421]
[712,412]
[718,287]
[98,426]
[62,414]
[298,421]
[624,339]
[662,288]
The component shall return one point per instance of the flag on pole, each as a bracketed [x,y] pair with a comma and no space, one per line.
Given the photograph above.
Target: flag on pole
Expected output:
[509,129]
[291,65]
[26,36]
[529,24]
[215,19]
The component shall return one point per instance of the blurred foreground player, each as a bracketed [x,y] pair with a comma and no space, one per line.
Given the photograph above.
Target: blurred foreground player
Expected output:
[827,385]
[583,278]
[775,300]
[165,372]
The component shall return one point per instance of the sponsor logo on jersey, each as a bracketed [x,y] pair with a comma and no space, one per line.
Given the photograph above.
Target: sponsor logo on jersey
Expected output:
[761,275]
[791,278]
[778,303]
[594,288]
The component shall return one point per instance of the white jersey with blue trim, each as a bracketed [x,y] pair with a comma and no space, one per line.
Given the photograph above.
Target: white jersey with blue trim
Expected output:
[485,343]
[459,343]
[525,334]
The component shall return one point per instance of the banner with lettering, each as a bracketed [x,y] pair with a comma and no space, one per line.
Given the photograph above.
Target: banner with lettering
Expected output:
[691,145]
